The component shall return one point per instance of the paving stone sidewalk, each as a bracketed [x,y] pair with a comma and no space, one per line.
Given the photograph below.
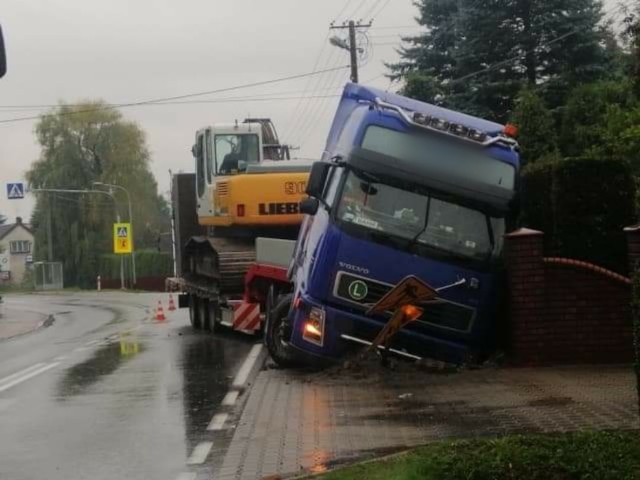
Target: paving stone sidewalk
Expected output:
[17,322]
[297,421]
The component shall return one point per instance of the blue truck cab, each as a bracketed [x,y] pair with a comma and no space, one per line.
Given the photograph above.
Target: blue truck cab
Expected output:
[403,188]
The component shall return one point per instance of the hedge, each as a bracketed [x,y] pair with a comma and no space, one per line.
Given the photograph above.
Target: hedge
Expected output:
[149,263]
[582,205]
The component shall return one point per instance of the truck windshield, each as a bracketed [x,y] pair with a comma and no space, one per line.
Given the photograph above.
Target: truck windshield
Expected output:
[442,156]
[230,149]
[418,217]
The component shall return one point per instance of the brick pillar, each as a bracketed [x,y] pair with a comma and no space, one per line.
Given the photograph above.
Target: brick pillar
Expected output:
[633,246]
[524,253]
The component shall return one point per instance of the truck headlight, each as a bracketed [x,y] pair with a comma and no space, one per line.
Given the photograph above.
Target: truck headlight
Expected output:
[313,327]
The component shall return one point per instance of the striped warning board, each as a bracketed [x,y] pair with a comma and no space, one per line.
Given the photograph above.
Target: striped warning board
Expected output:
[246,316]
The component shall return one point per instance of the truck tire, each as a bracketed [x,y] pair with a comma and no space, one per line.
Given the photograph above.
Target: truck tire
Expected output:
[278,333]
[194,312]
[203,313]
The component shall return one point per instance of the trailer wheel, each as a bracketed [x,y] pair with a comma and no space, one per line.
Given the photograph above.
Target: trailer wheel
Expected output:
[278,332]
[213,316]
[203,313]
[194,312]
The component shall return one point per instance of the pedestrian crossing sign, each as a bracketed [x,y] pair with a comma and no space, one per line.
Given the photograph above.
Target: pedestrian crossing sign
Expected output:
[15,191]
[122,241]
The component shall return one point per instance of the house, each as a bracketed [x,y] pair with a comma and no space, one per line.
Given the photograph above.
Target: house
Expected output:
[16,250]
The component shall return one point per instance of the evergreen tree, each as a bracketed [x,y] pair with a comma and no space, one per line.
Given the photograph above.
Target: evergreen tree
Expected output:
[537,133]
[552,44]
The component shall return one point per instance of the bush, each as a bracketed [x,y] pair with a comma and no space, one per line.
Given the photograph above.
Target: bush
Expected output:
[149,263]
[582,205]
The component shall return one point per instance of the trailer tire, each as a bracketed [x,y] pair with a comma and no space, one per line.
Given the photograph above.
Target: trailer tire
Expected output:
[277,333]
[213,316]
[194,312]
[203,313]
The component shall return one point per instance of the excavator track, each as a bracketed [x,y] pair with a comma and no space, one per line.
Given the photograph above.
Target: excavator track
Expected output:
[221,262]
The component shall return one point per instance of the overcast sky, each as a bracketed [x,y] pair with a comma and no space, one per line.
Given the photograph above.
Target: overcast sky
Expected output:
[125,50]
[131,50]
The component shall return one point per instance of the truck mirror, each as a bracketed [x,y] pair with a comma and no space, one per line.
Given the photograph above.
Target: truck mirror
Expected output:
[309,206]
[317,179]
[3,56]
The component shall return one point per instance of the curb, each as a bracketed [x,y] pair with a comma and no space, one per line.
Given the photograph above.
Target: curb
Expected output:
[47,321]
[383,458]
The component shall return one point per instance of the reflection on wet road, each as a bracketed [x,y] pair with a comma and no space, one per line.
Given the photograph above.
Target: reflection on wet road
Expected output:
[106,392]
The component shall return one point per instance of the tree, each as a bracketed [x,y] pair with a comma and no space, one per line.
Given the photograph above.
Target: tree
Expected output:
[537,132]
[82,144]
[588,112]
[476,55]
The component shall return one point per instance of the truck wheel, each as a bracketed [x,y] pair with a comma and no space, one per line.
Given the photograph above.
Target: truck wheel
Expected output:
[194,312]
[203,313]
[278,332]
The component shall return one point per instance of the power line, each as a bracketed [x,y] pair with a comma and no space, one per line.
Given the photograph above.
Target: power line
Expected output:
[193,102]
[344,9]
[385,5]
[372,9]
[188,95]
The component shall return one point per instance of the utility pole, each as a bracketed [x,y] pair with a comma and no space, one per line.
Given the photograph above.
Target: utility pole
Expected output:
[352,46]
[49,230]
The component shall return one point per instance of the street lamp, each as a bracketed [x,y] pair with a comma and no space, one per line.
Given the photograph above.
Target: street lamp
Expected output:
[133,252]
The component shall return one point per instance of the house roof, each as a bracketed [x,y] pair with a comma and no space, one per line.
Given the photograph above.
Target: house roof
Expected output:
[7,228]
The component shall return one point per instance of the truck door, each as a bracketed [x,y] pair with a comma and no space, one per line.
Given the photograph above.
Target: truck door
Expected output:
[201,176]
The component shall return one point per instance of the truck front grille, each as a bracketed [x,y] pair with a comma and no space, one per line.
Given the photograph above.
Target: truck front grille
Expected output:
[439,313]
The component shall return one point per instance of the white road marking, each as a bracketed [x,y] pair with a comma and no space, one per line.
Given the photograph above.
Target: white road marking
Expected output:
[230,398]
[26,377]
[60,358]
[248,364]
[200,453]
[80,349]
[21,372]
[186,476]
[217,422]
[92,342]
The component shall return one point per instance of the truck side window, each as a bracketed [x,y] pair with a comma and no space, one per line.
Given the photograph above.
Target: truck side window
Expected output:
[200,173]
[209,156]
[331,187]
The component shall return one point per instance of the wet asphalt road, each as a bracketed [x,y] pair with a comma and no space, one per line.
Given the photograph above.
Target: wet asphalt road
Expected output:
[106,392]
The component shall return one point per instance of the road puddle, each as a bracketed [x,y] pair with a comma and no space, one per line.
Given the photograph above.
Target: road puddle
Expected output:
[105,361]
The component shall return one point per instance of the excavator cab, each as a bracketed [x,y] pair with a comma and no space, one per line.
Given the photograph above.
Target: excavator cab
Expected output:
[241,178]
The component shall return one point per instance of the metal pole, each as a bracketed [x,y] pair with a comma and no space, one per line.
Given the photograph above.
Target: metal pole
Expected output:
[353,50]
[49,235]
[133,251]
[173,226]
[121,257]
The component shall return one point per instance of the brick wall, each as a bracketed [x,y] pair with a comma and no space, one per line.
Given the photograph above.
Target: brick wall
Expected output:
[564,311]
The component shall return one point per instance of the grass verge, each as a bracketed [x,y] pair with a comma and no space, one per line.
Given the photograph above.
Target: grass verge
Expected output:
[589,455]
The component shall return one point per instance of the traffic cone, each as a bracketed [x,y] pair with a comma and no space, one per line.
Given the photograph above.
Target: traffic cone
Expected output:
[172,306]
[160,313]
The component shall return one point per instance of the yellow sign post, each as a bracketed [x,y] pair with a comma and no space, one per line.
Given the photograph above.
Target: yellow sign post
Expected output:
[122,238]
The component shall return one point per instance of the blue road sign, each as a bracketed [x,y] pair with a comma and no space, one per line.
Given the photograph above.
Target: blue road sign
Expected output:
[15,191]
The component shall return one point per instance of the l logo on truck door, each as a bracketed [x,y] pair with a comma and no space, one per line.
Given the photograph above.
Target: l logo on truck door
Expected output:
[358,290]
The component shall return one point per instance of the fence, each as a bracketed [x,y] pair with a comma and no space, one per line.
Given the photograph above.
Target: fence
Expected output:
[48,276]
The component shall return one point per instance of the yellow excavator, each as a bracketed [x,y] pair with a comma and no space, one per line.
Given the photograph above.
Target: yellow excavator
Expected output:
[245,187]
